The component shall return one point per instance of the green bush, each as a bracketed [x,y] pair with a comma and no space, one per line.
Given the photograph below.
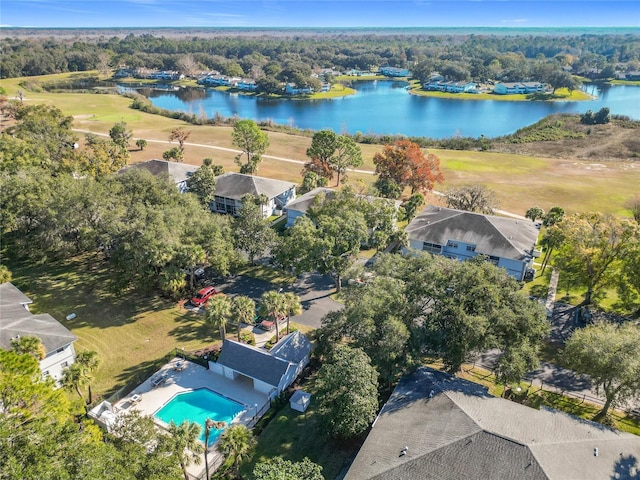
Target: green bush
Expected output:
[247,337]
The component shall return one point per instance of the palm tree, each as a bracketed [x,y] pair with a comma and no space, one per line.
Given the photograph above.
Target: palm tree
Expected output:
[244,310]
[238,441]
[79,373]
[89,362]
[217,313]
[73,378]
[273,304]
[293,306]
[208,425]
[29,345]
[185,445]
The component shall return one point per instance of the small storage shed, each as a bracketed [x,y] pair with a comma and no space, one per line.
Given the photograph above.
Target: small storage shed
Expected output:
[300,400]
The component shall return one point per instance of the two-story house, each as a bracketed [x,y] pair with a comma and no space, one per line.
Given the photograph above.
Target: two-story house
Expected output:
[508,243]
[16,320]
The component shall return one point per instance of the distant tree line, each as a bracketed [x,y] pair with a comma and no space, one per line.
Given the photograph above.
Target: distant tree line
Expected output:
[292,58]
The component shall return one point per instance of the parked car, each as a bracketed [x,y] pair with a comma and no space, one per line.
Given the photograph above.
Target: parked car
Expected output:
[267,324]
[198,272]
[203,295]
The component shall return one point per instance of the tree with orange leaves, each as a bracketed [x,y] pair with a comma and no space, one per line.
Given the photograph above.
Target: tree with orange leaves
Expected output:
[404,164]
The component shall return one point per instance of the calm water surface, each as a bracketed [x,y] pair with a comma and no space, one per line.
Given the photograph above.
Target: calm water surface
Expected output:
[386,107]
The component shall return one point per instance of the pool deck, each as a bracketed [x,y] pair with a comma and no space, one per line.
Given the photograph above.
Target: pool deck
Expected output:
[150,399]
[180,376]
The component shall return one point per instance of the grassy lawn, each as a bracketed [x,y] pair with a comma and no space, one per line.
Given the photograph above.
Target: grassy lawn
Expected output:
[337,90]
[294,435]
[560,94]
[130,331]
[625,82]
[537,398]
[519,181]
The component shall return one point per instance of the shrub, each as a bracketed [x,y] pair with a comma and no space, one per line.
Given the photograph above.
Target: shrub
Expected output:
[247,337]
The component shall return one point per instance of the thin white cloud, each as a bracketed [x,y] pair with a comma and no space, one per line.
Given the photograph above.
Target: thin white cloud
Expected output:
[515,21]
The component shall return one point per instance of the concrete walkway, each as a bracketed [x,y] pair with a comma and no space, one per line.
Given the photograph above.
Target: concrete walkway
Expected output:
[551,294]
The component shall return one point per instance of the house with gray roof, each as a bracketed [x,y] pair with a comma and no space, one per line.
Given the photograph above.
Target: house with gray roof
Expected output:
[508,243]
[270,372]
[16,320]
[177,172]
[231,187]
[436,426]
[300,206]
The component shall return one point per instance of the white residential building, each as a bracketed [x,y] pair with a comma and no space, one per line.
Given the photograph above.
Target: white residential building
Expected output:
[16,320]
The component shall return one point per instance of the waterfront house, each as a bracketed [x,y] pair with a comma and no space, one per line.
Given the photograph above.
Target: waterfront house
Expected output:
[457,234]
[215,81]
[17,321]
[394,72]
[231,187]
[247,84]
[293,89]
[512,88]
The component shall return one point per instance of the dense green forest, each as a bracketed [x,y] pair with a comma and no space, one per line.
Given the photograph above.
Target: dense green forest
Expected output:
[459,57]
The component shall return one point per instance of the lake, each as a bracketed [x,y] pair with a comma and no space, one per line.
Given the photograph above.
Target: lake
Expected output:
[386,107]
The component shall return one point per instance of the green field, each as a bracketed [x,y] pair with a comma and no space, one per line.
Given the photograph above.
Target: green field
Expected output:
[520,181]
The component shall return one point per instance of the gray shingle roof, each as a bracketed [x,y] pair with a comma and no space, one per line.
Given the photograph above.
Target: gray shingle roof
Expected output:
[252,362]
[236,185]
[292,348]
[302,203]
[492,235]
[179,172]
[16,320]
[460,432]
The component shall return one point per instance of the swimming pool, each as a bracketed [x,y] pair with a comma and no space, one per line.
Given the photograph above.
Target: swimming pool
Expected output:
[198,405]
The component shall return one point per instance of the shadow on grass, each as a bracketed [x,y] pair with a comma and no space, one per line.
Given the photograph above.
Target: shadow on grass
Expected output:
[294,435]
[82,286]
[192,331]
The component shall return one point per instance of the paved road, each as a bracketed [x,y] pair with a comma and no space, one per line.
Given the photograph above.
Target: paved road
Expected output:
[313,289]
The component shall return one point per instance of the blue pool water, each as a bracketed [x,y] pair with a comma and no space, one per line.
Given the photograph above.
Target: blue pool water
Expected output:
[198,405]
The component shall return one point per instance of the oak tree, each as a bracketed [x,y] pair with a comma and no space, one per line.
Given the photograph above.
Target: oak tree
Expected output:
[609,355]
[472,198]
[592,244]
[404,164]
[347,393]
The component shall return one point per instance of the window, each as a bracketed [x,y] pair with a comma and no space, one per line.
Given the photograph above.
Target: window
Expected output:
[431,247]
[45,374]
[471,248]
[452,244]
[64,364]
[494,260]
[60,350]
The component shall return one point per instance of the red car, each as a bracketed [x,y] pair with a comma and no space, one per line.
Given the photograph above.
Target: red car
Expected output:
[203,295]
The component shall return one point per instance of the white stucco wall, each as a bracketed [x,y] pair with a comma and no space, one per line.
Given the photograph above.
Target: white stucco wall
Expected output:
[262,386]
[515,268]
[55,362]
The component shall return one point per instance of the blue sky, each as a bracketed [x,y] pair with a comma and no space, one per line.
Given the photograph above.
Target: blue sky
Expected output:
[319,13]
